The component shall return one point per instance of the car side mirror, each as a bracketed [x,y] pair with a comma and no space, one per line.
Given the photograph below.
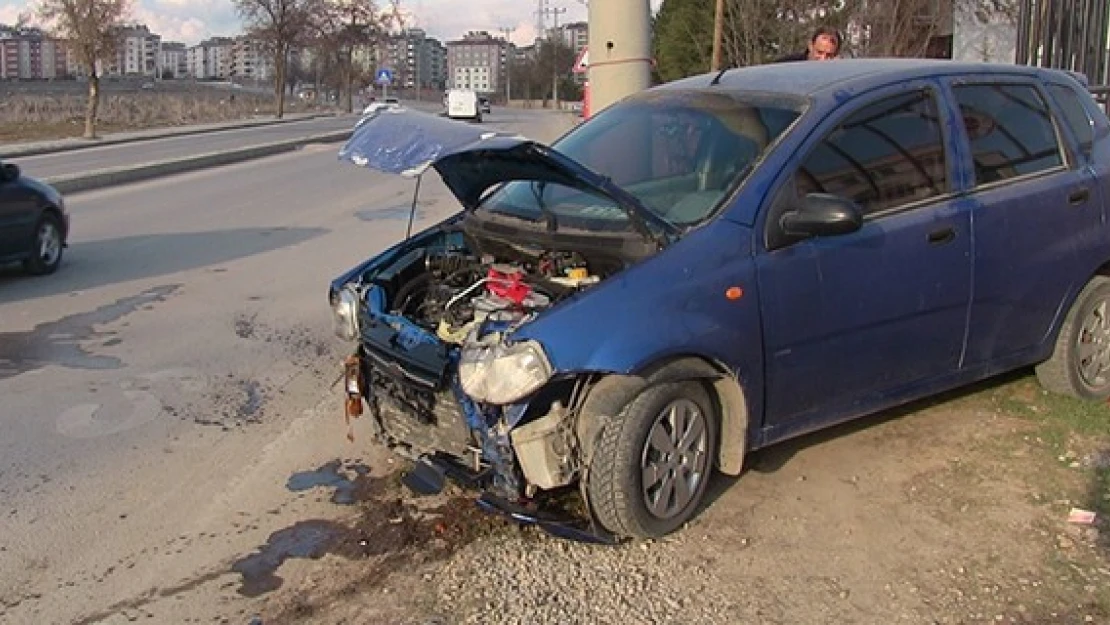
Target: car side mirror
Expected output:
[9,172]
[822,215]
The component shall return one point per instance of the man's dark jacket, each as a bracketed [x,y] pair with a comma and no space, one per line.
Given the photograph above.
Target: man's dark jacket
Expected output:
[799,56]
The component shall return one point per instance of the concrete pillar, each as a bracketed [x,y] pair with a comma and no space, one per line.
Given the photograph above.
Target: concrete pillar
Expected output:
[620,50]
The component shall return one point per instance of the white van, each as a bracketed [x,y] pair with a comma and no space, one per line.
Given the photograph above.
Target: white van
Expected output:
[463,104]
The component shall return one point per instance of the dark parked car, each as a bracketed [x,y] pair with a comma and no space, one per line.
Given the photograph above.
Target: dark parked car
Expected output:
[722,263]
[33,222]
[484,103]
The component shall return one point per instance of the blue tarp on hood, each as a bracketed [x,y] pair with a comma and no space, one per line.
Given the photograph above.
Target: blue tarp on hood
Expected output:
[472,160]
[404,141]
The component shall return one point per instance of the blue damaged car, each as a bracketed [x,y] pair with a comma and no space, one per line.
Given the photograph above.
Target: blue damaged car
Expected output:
[717,264]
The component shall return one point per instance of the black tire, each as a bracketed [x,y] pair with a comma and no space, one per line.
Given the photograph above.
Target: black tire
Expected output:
[1080,361]
[46,247]
[615,482]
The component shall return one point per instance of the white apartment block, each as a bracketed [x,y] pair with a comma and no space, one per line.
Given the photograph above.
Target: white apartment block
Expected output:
[476,62]
[140,53]
[211,59]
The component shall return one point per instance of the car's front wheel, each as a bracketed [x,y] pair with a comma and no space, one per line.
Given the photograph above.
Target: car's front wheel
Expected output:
[1080,362]
[47,246]
[651,463]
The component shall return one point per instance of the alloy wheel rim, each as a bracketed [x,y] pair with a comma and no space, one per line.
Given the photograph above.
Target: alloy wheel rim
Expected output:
[50,244]
[1093,346]
[674,459]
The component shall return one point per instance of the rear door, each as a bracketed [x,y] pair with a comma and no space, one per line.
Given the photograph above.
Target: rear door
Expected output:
[1035,208]
[852,322]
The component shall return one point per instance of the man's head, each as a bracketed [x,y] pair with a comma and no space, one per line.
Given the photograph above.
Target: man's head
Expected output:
[824,45]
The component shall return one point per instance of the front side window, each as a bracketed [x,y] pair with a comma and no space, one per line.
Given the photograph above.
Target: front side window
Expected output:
[887,154]
[680,153]
[1010,129]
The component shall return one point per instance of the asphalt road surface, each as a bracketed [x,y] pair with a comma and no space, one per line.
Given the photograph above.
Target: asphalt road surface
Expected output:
[166,396]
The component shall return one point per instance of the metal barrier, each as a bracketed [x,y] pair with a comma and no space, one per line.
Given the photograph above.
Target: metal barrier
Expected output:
[1102,96]
[1066,34]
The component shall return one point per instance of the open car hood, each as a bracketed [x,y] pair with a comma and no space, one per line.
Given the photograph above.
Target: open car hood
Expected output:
[472,160]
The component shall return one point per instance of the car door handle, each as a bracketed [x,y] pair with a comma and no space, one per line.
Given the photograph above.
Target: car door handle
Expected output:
[942,236]
[1079,196]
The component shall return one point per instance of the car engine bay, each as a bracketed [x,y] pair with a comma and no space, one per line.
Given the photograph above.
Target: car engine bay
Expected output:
[452,291]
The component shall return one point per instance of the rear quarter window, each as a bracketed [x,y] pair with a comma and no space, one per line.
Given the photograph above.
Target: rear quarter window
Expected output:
[1075,116]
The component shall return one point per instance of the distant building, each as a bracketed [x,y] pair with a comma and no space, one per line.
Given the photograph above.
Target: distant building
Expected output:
[248,61]
[174,60]
[575,35]
[477,62]
[30,54]
[415,59]
[140,53]
[211,59]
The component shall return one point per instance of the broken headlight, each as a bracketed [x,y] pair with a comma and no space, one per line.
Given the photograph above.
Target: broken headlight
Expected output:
[345,313]
[495,373]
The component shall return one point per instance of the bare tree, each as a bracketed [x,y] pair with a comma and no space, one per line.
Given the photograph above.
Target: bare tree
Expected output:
[279,25]
[344,26]
[91,29]
[757,31]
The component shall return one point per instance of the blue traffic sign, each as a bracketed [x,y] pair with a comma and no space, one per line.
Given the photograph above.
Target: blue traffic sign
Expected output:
[384,76]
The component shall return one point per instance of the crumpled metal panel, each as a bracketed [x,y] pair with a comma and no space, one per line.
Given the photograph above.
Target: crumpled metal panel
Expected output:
[407,142]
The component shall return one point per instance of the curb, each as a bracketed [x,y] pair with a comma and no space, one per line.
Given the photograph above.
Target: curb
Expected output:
[181,131]
[88,181]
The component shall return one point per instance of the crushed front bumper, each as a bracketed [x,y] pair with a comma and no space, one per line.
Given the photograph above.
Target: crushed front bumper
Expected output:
[432,429]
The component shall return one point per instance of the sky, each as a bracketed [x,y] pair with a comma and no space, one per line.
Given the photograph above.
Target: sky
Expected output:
[189,21]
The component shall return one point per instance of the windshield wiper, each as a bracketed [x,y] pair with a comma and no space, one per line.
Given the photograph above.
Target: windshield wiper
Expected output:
[549,217]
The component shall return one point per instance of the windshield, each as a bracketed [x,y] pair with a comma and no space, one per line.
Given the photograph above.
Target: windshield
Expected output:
[679,152]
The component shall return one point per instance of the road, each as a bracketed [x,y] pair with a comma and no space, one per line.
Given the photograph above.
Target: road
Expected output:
[161,391]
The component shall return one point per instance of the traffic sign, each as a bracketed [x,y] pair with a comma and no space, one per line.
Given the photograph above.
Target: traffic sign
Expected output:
[582,64]
[384,76]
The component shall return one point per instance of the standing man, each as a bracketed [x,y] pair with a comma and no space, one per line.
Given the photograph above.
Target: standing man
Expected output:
[824,45]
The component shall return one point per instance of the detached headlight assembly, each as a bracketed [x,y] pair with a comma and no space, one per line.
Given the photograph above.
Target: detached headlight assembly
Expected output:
[495,373]
[345,313]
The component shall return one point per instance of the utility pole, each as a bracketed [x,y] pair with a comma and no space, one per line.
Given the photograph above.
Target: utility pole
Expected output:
[718,35]
[554,12]
[620,50]
[508,64]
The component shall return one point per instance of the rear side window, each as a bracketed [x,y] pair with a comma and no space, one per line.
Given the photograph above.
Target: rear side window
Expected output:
[1075,116]
[887,154]
[1010,129]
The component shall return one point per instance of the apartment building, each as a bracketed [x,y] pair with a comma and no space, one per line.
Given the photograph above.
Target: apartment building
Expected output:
[575,35]
[211,59]
[249,61]
[139,54]
[174,60]
[477,61]
[29,54]
[415,59]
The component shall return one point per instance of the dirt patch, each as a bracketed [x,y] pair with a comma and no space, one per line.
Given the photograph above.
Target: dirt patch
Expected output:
[48,116]
[390,535]
[948,511]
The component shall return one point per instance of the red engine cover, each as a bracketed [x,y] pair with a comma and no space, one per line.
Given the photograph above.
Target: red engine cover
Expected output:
[507,282]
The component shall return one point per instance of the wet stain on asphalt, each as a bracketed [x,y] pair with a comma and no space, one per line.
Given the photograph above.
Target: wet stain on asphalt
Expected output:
[330,475]
[390,533]
[307,539]
[59,342]
[386,214]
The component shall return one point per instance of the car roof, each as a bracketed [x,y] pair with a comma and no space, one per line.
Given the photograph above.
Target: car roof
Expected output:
[811,78]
